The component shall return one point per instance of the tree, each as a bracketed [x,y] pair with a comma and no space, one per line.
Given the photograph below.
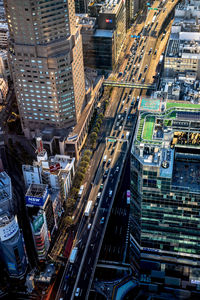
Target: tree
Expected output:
[77,182]
[95,130]
[82,169]
[68,220]
[88,153]
[93,136]
[79,176]
[83,164]
[86,158]
[74,192]
[100,116]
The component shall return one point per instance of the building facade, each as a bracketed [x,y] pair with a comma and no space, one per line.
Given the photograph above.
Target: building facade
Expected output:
[41,215]
[45,52]
[6,194]
[56,171]
[183,50]
[12,248]
[111,32]
[165,188]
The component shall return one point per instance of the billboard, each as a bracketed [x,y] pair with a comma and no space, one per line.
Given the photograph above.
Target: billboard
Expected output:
[37,201]
[9,230]
[38,222]
[54,167]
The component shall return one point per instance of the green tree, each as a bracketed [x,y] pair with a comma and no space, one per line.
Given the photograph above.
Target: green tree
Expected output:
[79,175]
[95,129]
[82,169]
[83,164]
[68,220]
[74,192]
[88,152]
[86,158]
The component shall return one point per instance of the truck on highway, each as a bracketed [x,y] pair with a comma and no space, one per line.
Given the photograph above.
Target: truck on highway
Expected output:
[88,208]
[73,255]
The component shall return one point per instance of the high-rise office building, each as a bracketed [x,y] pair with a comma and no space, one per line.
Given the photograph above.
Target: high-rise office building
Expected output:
[41,215]
[12,249]
[6,193]
[165,186]
[45,52]
[81,6]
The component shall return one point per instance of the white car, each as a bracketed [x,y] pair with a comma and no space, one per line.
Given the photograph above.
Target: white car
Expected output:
[110,193]
[77,292]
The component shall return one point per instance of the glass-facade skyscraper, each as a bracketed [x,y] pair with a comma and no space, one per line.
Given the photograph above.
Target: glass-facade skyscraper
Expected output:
[165,186]
[45,51]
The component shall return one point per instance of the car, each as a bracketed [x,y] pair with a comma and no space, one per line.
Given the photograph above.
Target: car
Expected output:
[89,225]
[139,77]
[98,195]
[105,173]
[77,292]
[102,220]
[122,136]
[133,79]
[101,187]
[109,161]
[110,193]
[120,128]
[117,169]
[143,80]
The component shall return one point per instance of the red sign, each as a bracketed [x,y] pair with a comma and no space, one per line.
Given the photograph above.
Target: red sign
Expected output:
[55,167]
[108,20]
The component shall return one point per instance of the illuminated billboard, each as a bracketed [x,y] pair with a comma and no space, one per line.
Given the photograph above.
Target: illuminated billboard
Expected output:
[37,201]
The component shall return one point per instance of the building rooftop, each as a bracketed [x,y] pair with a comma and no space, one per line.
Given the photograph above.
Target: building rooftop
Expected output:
[161,132]
[103,33]
[110,6]
[186,175]
[36,190]
[36,195]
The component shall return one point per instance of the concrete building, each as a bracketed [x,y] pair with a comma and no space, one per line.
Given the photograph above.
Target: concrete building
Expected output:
[12,248]
[81,6]
[111,20]
[56,171]
[3,35]
[4,67]
[6,194]
[183,50]
[3,89]
[45,52]
[41,215]
[165,194]
[98,44]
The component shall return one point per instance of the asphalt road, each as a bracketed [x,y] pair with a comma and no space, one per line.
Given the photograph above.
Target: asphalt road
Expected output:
[77,278]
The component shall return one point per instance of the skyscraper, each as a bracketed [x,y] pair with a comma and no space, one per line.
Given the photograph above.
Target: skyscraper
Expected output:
[12,249]
[165,186]
[45,52]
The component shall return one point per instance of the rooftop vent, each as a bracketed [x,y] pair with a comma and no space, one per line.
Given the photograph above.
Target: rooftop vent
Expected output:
[165,164]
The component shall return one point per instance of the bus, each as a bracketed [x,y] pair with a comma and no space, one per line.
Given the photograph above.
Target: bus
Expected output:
[73,255]
[88,208]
